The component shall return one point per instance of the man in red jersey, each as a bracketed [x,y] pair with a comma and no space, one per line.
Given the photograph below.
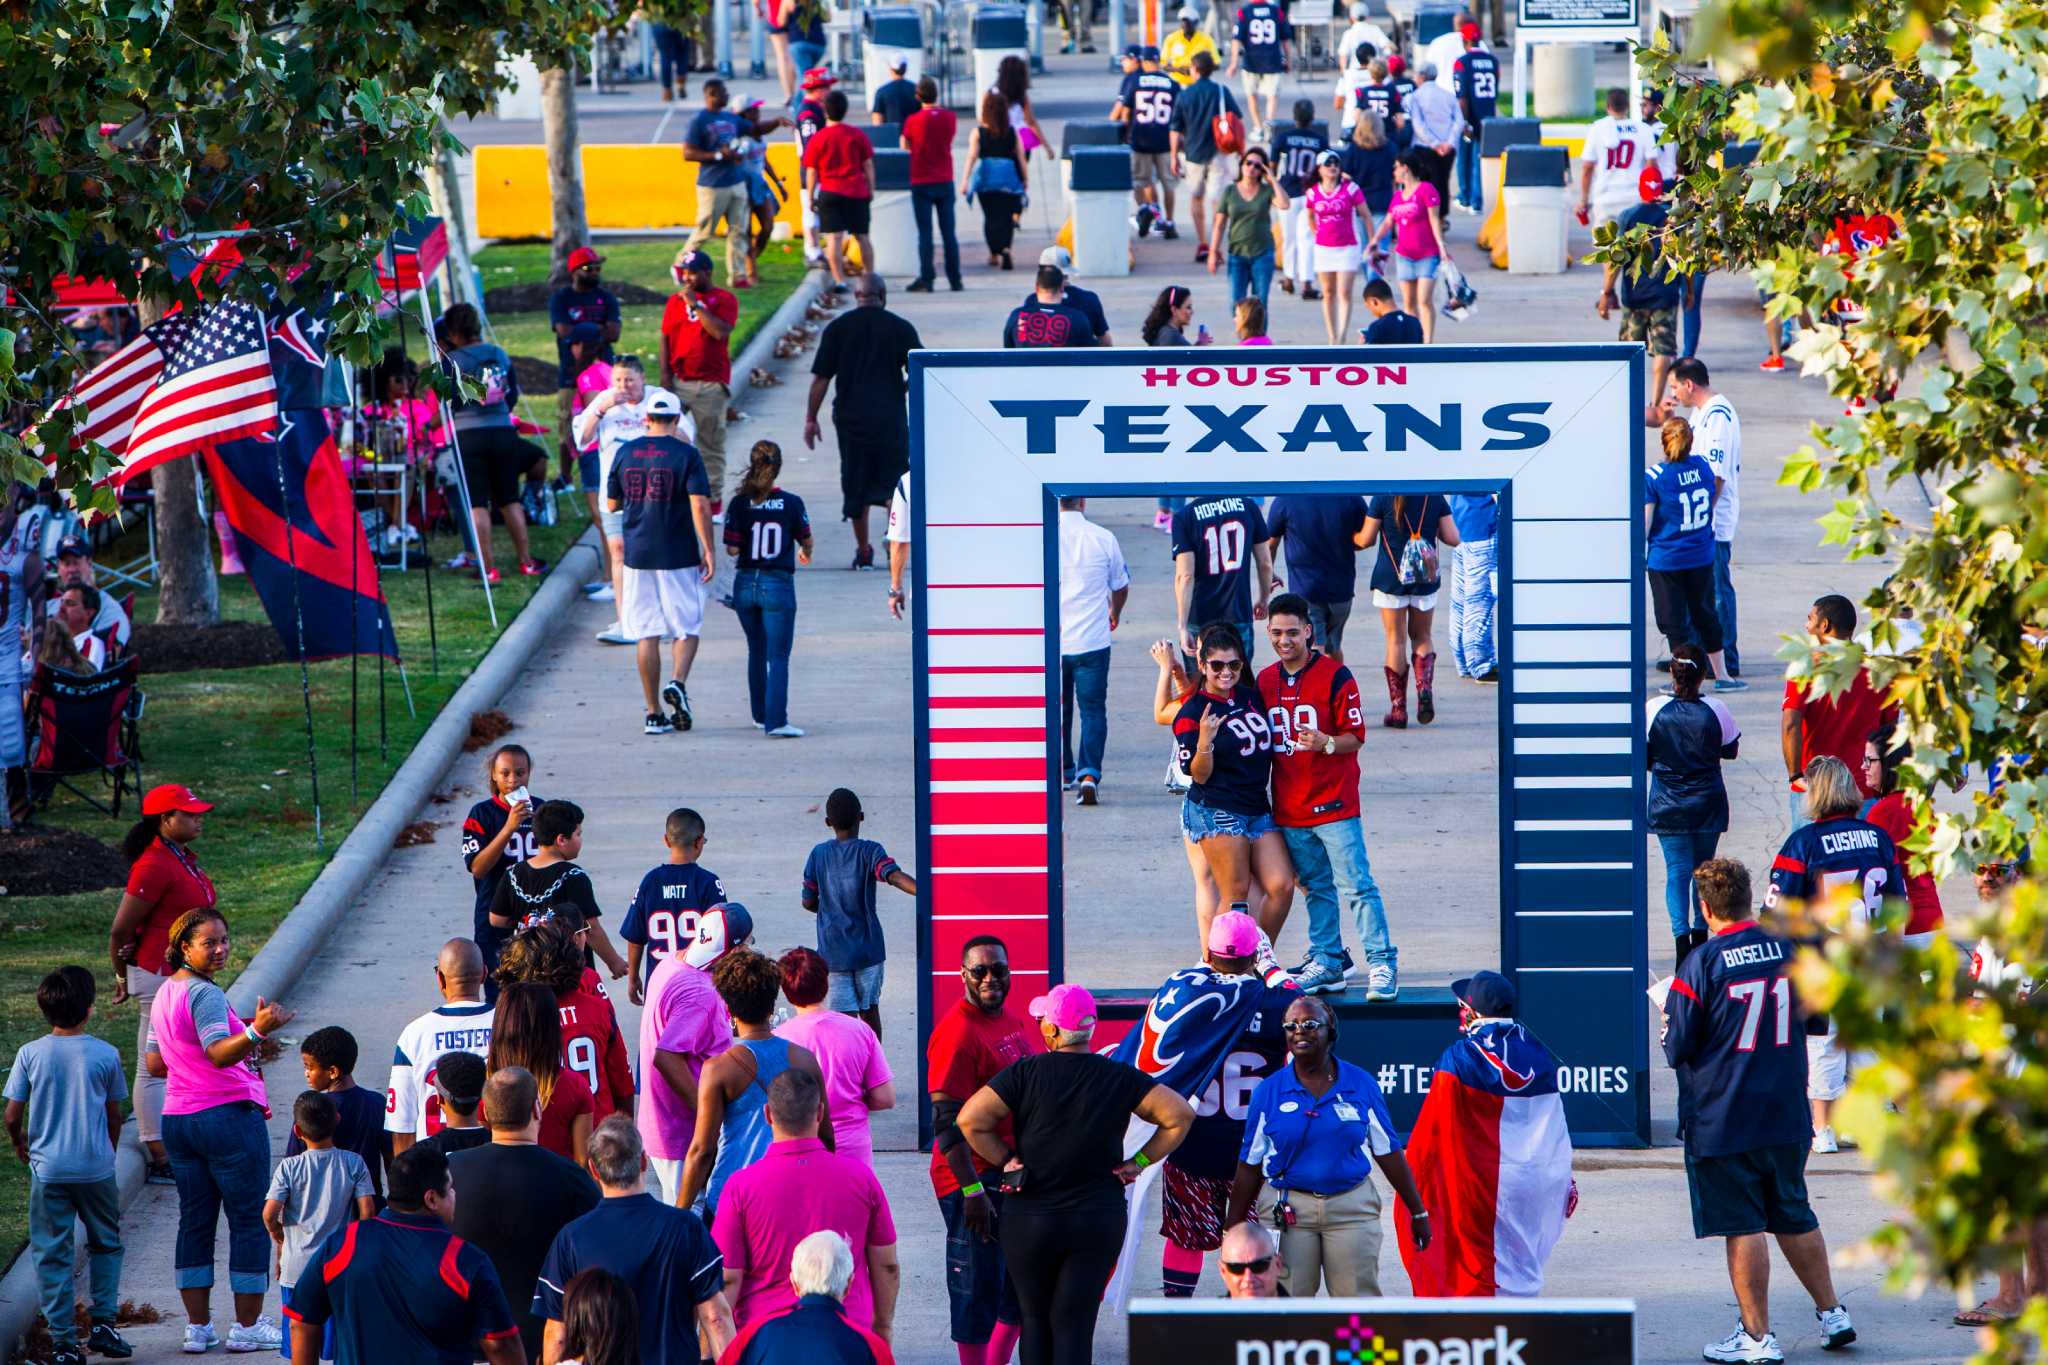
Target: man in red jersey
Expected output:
[1318,724]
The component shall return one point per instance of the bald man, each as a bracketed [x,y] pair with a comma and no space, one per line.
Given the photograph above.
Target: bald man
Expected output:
[461,1023]
[1251,1263]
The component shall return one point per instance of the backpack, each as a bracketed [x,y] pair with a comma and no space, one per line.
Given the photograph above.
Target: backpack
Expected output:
[1419,562]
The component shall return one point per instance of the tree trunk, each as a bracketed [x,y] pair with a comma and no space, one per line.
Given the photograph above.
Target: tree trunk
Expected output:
[188,594]
[565,166]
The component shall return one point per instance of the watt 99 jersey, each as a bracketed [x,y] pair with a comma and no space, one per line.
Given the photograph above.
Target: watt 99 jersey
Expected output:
[1829,857]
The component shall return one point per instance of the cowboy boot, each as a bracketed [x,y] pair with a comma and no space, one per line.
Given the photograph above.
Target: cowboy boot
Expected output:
[1397,688]
[1425,688]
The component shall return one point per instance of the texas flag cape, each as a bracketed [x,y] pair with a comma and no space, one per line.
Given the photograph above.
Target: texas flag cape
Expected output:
[1493,1162]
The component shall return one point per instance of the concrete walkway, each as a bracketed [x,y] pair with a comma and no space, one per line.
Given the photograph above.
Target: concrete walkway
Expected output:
[1429,797]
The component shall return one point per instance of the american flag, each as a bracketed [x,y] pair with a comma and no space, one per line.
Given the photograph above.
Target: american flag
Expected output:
[113,392]
[216,385]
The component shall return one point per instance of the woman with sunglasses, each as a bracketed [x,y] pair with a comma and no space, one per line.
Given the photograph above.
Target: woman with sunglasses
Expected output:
[1226,748]
[1891,812]
[1242,226]
[1336,206]
[1313,1131]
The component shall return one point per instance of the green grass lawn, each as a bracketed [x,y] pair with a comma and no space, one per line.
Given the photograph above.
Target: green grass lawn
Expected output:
[237,736]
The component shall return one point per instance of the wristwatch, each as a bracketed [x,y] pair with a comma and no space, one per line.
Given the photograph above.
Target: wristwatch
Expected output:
[1329,744]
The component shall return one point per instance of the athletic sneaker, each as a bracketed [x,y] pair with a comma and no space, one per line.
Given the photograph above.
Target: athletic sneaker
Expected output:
[1320,978]
[1310,294]
[678,703]
[1382,981]
[533,568]
[786,731]
[864,557]
[613,634]
[1146,213]
[597,592]
[1824,1141]
[717,511]
[1730,685]
[657,724]
[1162,521]
[199,1338]
[493,578]
[1743,1349]
[1772,363]
[1084,795]
[66,1357]
[1168,230]
[158,1173]
[1201,253]
[260,1335]
[108,1342]
[1836,1331]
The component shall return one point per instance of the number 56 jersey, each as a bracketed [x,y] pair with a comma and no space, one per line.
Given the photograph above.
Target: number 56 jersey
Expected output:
[1828,856]
[1311,787]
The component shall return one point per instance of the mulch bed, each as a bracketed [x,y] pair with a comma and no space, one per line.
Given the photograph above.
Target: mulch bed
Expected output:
[533,298]
[485,726]
[44,860]
[231,644]
[537,380]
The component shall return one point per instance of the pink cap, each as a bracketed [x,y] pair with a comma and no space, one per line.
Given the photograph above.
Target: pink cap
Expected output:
[1066,1007]
[1234,934]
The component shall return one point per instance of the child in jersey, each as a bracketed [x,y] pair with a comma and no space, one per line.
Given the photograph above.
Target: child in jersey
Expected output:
[498,832]
[663,914]
[548,879]
[840,878]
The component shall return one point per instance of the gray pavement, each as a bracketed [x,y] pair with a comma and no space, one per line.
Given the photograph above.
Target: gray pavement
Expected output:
[1429,798]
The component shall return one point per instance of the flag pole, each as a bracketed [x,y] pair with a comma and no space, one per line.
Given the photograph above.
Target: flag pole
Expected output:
[455,444]
[355,593]
[426,526]
[299,616]
[405,683]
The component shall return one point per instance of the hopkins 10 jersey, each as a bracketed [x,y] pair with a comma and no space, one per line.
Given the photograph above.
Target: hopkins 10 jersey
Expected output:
[1262,35]
[1823,859]
[1294,153]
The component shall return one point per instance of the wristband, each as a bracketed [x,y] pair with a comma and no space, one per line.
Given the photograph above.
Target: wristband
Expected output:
[1141,1161]
[249,1032]
[971,1190]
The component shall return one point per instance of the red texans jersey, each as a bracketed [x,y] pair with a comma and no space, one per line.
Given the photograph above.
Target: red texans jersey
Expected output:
[1311,787]
[593,1048]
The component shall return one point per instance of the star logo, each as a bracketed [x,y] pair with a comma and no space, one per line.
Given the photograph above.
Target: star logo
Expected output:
[1358,1344]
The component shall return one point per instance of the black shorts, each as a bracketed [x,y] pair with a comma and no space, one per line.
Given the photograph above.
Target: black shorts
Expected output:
[842,213]
[871,459]
[1750,1192]
[494,464]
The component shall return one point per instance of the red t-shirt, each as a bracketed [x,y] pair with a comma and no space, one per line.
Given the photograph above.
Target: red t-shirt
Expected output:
[1839,725]
[593,1048]
[171,881]
[570,1098]
[840,155]
[966,1048]
[690,352]
[1892,815]
[1311,787]
[930,132]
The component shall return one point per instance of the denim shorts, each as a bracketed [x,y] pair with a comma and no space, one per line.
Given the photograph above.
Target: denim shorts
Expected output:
[1415,267]
[586,469]
[1200,822]
[860,989]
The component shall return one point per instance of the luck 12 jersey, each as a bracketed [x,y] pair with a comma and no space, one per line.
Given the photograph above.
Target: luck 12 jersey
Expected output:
[411,1104]
[1262,35]
[1149,96]
[1294,155]
[1220,533]
[1821,860]
[663,913]
[1311,787]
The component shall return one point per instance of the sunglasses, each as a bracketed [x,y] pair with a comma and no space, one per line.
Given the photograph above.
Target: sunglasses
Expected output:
[1302,1026]
[1224,665]
[1258,1267]
[994,969]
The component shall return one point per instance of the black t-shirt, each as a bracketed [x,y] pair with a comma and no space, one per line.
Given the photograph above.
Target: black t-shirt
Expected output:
[449,1141]
[1070,1110]
[1394,329]
[865,351]
[1089,302]
[1034,323]
[572,305]
[510,1200]
[529,890]
[361,1131]
[895,100]
[1420,517]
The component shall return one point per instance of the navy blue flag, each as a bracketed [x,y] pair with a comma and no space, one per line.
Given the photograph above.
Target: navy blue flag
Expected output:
[1193,1020]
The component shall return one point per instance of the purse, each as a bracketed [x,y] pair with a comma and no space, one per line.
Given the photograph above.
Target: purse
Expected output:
[1228,130]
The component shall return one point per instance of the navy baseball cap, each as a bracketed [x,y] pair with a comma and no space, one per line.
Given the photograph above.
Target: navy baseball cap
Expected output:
[1150,54]
[1135,52]
[73,545]
[1488,993]
[585,332]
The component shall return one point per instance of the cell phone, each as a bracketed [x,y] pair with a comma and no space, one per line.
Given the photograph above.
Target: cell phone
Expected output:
[1202,332]
[1012,1182]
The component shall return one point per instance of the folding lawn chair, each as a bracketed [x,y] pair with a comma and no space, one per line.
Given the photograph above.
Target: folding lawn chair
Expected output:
[83,725]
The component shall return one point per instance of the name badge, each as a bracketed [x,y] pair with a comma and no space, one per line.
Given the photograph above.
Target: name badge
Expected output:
[1348,1113]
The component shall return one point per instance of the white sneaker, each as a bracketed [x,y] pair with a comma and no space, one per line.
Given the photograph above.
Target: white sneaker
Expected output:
[786,732]
[1824,1141]
[613,634]
[1740,1347]
[1836,1331]
[601,592]
[1382,981]
[260,1335]
[199,1338]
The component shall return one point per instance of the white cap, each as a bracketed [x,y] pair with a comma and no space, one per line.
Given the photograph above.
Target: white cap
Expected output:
[1057,256]
[899,63]
[1190,12]
[662,403]
[1361,11]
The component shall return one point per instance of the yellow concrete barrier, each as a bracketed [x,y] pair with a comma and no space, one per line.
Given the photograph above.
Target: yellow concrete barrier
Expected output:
[625,185]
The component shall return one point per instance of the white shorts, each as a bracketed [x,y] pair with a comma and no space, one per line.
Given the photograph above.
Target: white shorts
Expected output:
[1600,213]
[1389,601]
[668,1173]
[1262,83]
[659,604]
[1339,260]
[1827,1066]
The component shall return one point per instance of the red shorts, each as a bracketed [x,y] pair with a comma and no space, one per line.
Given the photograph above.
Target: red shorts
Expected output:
[1192,1208]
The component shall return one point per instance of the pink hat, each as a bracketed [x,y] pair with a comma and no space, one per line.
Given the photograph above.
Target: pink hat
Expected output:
[1065,1007]
[1234,934]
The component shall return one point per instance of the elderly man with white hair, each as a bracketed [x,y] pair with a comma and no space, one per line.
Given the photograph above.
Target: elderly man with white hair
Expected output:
[816,1330]
[1252,1264]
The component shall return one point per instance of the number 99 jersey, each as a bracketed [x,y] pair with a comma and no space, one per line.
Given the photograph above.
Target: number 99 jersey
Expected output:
[1241,755]
[1827,857]
[1311,787]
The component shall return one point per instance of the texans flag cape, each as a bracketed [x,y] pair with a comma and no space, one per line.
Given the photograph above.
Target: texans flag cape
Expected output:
[1493,1162]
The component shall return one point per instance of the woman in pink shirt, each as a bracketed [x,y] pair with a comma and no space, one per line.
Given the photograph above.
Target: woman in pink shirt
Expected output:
[1337,208]
[1417,218]
[857,1079]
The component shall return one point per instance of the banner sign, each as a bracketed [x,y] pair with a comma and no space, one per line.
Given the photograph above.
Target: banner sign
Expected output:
[1622,15]
[1384,1331]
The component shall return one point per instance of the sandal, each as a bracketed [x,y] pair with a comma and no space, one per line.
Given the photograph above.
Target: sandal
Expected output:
[1983,1315]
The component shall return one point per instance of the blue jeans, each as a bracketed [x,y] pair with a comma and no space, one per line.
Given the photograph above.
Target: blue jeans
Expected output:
[1330,863]
[1689,317]
[1683,853]
[1250,275]
[1084,678]
[765,602]
[669,53]
[1170,504]
[1474,587]
[1724,605]
[1471,187]
[52,1209]
[926,200]
[220,1158]
[803,56]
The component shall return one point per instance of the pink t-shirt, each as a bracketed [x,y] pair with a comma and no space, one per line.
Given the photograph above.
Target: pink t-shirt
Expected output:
[685,1015]
[1256,341]
[796,1189]
[1410,212]
[181,1028]
[595,379]
[851,1057]
[1336,212]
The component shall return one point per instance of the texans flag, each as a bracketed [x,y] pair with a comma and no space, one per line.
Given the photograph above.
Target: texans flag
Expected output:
[1493,1162]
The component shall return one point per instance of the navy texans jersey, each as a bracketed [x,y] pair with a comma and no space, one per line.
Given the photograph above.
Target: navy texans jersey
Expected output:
[1821,859]
[1404,90]
[1733,1032]
[1476,81]
[767,533]
[1262,36]
[481,826]
[1294,158]
[1382,99]
[1149,96]
[663,912]
[1241,756]
[810,117]
[1220,534]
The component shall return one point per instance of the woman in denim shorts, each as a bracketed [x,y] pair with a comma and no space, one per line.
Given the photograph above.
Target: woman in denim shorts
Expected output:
[1226,747]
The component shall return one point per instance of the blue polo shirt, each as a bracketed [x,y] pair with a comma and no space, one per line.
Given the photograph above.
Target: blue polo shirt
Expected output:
[1315,529]
[1319,1145]
[816,1331]
[402,1287]
[664,1252]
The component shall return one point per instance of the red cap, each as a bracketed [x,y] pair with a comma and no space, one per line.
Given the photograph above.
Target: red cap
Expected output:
[1469,31]
[818,77]
[1396,64]
[1650,184]
[583,256]
[172,796]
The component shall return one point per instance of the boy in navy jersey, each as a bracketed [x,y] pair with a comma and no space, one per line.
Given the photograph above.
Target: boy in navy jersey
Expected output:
[663,914]
[1733,1031]
[1221,562]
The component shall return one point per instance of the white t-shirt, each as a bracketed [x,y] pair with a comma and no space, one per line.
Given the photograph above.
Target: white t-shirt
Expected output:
[411,1104]
[1443,51]
[1717,438]
[1091,568]
[1362,31]
[1618,149]
[899,514]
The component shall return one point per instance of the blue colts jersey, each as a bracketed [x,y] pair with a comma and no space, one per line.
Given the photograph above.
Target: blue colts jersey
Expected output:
[1682,527]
